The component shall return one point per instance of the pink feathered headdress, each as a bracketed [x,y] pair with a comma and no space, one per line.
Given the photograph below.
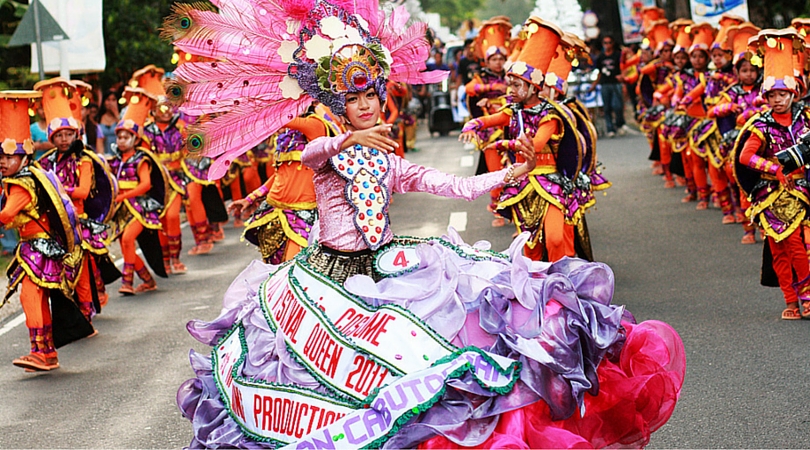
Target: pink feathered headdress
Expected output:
[272,59]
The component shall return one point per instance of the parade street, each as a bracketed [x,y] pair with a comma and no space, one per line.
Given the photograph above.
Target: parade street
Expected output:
[746,368]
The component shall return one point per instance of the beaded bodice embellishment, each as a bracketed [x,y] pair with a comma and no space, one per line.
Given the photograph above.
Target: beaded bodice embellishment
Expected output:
[364,170]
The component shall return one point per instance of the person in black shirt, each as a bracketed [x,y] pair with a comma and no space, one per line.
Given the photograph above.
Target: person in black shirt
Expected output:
[610,80]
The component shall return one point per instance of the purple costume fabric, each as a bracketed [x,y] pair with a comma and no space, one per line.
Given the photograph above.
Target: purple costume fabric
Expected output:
[145,209]
[778,138]
[555,318]
[168,146]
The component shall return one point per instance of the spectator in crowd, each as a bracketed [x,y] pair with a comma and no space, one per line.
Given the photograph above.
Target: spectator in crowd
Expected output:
[107,119]
[39,134]
[95,136]
[610,80]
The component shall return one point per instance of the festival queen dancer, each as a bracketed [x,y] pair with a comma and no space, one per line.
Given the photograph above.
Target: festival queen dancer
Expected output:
[370,340]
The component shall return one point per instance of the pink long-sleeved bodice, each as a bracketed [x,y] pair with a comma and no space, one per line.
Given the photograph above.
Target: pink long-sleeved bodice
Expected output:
[343,189]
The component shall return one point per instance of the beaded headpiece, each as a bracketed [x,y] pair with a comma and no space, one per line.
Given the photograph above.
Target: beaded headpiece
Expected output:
[265,62]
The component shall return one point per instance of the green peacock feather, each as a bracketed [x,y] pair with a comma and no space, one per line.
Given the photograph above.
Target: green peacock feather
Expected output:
[180,22]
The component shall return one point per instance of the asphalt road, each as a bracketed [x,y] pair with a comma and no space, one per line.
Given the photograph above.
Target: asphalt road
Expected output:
[745,368]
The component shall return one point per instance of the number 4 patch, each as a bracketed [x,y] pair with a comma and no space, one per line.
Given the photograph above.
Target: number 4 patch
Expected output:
[397,259]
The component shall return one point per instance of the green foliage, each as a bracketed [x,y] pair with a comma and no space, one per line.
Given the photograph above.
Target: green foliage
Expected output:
[453,12]
[517,10]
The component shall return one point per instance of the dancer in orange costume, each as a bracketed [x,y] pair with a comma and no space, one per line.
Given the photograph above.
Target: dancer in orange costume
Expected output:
[165,132]
[540,203]
[486,96]
[142,193]
[35,203]
[779,196]
[738,103]
[281,224]
[79,170]
[653,77]
[673,134]
[395,104]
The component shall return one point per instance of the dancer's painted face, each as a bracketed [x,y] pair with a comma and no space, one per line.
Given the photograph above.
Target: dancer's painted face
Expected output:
[10,164]
[63,138]
[519,89]
[363,109]
[125,140]
[779,100]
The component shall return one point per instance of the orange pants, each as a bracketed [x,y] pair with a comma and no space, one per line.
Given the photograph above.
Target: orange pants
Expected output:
[665,148]
[699,174]
[790,256]
[128,244]
[84,289]
[558,238]
[34,300]
[195,210]
[170,237]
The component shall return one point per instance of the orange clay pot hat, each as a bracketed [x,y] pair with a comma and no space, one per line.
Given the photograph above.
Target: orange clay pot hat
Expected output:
[776,50]
[150,79]
[570,49]
[56,95]
[737,37]
[659,35]
[542,39]
[680,30]
[702,37]
[493,38]
[649,15]
[139,103]
[726,21]
[83,97]
[15,127]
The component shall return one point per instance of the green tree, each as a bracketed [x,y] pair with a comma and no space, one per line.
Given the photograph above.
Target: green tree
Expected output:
[453,12]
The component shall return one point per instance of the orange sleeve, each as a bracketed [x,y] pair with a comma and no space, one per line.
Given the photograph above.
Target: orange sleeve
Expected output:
[16,200]
[311,127]
[649,69]
[631,61]
[85,180]
[750,148]
[500,119]
[544,133]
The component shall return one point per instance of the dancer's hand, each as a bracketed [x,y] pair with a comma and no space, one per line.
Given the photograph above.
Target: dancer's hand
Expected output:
[784,180]
[525,148]
[235,209]
[374,137]
[468,137]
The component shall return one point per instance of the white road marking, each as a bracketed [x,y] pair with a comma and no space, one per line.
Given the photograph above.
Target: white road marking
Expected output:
[13,323]
[458,220]
[467,161]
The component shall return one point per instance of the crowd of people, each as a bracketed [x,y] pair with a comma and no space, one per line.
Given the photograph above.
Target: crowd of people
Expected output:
[718,105]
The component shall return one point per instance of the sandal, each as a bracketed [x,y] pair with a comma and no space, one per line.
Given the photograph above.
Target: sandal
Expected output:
[126,289]
[791,314]
[146,287]
[201,249]
[805,312]
[498,222]
[178,268]
[36,363]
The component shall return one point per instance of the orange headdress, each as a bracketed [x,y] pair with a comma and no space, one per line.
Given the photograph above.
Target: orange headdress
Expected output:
[726,21]
[493,38]
[777,50]
[150,79]
[139,104]
[649,15]
[570,49]
[56,102]
[683,39]
[702,37]
[15,128]
[542,39]
[659,35]
[737,38]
